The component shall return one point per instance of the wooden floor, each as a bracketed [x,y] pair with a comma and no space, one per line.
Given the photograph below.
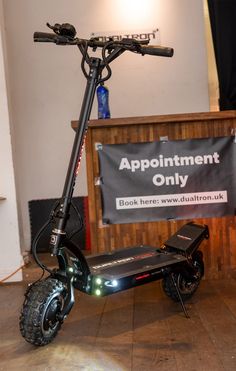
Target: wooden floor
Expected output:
[139,329]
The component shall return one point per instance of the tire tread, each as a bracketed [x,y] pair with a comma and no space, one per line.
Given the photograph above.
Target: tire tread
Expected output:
[31,314]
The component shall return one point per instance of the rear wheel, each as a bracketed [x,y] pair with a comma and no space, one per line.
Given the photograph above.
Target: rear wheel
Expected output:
[44,300]
[187,286]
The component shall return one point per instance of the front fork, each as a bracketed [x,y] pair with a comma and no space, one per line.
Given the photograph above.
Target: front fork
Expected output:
[71,275]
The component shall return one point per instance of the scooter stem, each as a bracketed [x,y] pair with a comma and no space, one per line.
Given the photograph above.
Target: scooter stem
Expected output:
[62,212]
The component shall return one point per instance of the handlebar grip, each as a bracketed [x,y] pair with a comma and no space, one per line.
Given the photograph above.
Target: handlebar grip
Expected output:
[161,51]
[50,38]
[45,37]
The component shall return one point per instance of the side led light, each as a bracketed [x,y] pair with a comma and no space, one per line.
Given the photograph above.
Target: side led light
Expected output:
[142,276]
[98,292]
[98,281]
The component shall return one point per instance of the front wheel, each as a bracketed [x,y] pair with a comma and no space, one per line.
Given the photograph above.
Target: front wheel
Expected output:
[186,286]
[44,300]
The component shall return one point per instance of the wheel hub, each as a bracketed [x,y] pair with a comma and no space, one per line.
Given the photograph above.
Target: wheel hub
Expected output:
[51,314]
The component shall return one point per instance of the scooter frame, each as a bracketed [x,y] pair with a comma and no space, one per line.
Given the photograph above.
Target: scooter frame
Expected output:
[79,274]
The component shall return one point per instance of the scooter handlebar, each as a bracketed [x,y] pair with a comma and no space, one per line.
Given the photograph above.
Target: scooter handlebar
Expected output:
[127,44]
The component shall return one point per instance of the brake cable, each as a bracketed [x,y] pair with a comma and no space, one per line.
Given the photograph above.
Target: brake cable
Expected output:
[84,51]
[104,59]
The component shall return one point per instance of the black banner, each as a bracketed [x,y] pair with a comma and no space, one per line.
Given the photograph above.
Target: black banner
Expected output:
[168,180]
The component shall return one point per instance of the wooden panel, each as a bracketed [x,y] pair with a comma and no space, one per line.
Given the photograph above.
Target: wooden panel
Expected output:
[220,250]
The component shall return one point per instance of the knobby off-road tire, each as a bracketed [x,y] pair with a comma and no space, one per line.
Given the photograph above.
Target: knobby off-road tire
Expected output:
[187,287]
[44,300]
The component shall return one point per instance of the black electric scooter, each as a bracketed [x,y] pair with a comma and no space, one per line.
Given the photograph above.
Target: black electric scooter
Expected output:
[178,262]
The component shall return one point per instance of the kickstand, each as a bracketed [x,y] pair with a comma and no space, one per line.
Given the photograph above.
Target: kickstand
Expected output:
[180,297]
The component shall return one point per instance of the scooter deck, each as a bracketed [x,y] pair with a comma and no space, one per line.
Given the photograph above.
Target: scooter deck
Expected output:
[131,261]
[125,268]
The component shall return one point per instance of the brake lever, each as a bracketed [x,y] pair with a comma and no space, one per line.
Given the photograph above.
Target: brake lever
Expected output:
[64,29]
[55,28]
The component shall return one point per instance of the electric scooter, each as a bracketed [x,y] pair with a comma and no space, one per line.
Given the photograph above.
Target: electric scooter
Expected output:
[178,262]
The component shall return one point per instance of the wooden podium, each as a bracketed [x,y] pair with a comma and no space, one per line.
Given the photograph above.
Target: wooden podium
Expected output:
[220,250]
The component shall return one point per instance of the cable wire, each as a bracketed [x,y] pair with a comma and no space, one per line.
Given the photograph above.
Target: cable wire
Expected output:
[12,274]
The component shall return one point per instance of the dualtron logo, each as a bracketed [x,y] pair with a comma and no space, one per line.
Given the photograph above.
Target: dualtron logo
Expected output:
[124,260]
[184,237]
[140,35]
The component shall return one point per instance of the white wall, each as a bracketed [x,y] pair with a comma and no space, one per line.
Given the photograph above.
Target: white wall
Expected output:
[47,85]
[10,259]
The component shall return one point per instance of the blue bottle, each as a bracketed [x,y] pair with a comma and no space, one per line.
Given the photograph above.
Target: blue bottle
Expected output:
[103,102]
